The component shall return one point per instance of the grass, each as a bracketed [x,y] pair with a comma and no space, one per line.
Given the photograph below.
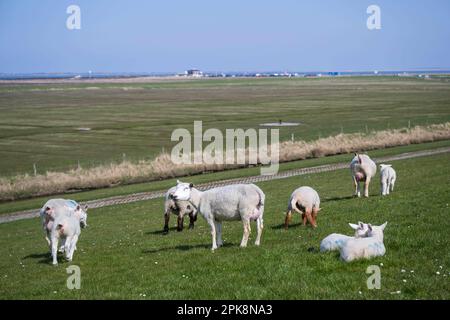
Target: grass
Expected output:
[12,206]
[124,255]
[39,122]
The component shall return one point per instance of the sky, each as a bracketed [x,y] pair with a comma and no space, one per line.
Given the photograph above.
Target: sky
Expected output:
[223,35]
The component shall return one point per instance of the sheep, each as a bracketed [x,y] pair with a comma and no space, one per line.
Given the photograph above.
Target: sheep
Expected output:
[243,202]
[369,247]
[55,207]
[363,169]
[387,178]
[67,227]
[306,201]
[335,241]
[180,209]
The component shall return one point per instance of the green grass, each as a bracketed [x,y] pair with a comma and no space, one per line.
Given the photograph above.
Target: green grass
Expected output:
[13,206]
[123,254]
[39,122]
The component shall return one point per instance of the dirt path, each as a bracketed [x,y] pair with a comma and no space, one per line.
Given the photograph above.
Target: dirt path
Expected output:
[28,214]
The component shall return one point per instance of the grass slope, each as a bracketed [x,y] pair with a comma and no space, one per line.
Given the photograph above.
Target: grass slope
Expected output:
[123,254]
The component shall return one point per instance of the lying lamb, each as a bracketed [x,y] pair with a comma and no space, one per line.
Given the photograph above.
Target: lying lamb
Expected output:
[55,207]
[180,209]
[369,247]
[387,178]
[306,201]
[243,202]
[335,241]
[363,169]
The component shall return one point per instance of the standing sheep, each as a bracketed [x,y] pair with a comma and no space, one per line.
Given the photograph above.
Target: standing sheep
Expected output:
[243,202]
[369,247]
[363,169]
[387,178]
[67,228]
[335,241]
[180,209]
[306,201]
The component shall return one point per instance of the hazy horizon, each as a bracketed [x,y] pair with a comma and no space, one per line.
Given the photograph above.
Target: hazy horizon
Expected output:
[255,36]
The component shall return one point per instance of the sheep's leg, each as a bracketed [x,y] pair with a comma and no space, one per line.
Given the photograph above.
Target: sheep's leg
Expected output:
[356,185]
[213,234]
[287,220]
[392,184]
[166,222]
[383,188]
[247,231]
[314,216]
[218,226]
[191,220]
[388,186]
[260,227]
[73,245]
[310,218]
[304,219]
[180,222]
[366,187]
[55,250]
[62,247]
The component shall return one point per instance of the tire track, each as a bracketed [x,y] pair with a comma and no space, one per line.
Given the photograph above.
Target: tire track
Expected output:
[142,196]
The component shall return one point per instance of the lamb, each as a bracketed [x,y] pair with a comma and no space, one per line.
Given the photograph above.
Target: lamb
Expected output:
[335,241]
[306,201]
[363,169]
[180,209]
[387,178]
[243,202]
[67,227]
[369,247]
[54,207]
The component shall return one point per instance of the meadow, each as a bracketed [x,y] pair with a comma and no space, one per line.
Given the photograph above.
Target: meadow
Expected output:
[123,253]
[45,124]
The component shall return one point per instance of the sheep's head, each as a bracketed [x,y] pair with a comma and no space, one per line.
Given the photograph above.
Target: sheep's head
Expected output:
[361,229]
[377,231]
[182,191]
[81,214]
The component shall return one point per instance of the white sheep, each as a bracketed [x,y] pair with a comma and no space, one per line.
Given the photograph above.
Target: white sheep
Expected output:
[369,247]
[363,169]
[387,178]
[335,241]
[67,228]
[54,207]
[243,202]
[306,201]
[180,209]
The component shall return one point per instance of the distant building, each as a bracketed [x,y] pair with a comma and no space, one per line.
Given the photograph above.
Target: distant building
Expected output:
[193,73]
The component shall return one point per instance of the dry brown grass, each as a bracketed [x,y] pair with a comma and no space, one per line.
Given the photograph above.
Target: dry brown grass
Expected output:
[161,167]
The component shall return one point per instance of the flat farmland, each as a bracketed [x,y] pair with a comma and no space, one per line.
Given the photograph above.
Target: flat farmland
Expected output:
[43,124]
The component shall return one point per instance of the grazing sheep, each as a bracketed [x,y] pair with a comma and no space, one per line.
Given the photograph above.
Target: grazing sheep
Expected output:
[335,241]
[243,202]
[67,228]
[369,247]
[55,207]
[180,209]
[387,178]
[306,201]
[363,169]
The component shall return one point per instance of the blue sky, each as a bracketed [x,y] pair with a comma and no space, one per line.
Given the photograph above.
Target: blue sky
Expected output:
[231,35]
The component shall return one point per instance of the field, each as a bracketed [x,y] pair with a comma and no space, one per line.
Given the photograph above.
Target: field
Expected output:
[40,123]
[124,255]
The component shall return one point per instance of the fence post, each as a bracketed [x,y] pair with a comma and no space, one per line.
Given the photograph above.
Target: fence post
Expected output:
[34,169]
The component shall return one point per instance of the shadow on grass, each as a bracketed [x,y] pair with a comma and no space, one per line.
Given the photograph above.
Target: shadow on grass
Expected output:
[44,258]
[161,231]
[186,247]
[339,198]
[281,226]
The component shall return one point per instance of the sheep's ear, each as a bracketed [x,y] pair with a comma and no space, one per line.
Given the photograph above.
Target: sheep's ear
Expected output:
[49,211]
[86,207]
[191,185]
[78,208]
[178,181]
[369,226]
[353,226]
[361,224]
[383,225]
